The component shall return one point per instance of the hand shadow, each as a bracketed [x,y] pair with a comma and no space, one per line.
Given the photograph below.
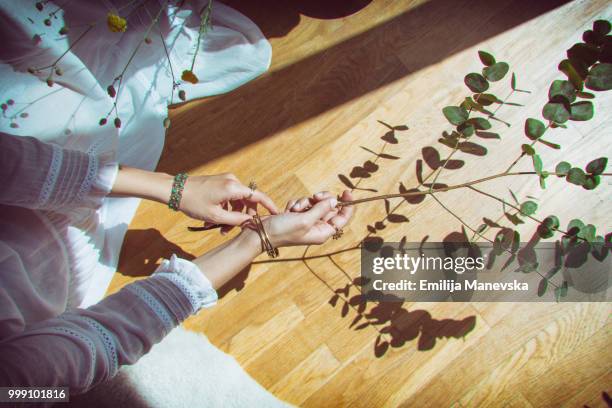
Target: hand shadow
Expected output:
[144,249]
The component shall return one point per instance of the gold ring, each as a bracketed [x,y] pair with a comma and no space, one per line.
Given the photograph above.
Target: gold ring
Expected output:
[253,187]
[338,234]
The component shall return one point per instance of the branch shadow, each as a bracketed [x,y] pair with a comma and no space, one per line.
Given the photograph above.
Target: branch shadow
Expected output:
[343,72]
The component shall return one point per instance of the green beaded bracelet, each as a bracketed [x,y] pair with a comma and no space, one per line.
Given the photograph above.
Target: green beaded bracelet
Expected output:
[177,191]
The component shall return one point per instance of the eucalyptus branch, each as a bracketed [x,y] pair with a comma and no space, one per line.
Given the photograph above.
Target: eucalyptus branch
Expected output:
[442,189]
[476,232]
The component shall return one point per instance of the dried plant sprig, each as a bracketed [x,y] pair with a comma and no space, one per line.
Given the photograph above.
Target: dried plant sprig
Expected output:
[205,23]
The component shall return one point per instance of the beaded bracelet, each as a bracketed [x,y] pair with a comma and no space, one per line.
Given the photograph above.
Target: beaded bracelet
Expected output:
[177,191]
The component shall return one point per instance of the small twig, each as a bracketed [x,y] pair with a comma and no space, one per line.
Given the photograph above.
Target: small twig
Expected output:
[204,21]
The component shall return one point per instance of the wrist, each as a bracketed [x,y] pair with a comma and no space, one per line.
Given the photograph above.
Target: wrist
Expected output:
[249,239]
[162,187]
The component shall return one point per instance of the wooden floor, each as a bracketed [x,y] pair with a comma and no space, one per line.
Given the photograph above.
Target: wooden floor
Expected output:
[304,123]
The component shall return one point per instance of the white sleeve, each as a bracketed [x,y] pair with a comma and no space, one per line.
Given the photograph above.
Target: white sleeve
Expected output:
[39,175]
[82,348]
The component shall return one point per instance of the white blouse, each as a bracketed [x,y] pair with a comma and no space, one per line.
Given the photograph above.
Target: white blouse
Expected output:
[60,236]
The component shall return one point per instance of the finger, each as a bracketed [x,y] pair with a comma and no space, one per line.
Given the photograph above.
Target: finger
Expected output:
[257,197]
[289,205]
[230,217]
[330,215]
[344,215]
[322,195]
[302,204]
[320,209]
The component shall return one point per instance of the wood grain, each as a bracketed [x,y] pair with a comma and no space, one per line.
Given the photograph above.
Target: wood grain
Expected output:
[301,125]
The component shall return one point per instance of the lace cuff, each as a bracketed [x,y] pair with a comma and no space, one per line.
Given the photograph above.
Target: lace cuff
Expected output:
[77,179]
[190,280]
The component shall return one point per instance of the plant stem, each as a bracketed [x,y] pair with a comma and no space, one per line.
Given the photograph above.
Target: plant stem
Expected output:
[205,19]
[469,183]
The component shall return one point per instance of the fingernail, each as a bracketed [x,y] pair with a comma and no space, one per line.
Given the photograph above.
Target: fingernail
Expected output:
[333,202]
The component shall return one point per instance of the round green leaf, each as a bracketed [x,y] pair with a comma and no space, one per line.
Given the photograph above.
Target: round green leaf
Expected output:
[551,222]
[529,207]
[534,129]
[576,176]
[599,77]
[581,111]
[575,226]
[555,112]
[486,58]
[486,99]
[528,150]
[562,88]
[591,182]
[466,129]
[480,123]
[597,166]
[563,168]
[476,82]
[601,27]
[455,114]
[496,71]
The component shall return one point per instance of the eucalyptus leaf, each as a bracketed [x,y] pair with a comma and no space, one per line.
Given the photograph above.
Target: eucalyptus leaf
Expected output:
[529,208]
[569,68]
[466,129]
[549,144]
[486,99]
[600,77]
[581,111]
[480,123]
[534,129]
[576,176]
[542,286]
[585,95]
[486,58]
[496,71]
[551,222]
[455,114]
[597,166]
[562,88]
[476,82]
[528,150]
[601,27]
[555,112]
[537,163]
[586,53]
[591,182]
[562,168]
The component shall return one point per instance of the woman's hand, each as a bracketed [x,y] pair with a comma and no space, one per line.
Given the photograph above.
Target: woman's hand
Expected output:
[207,198]
[221,199]
[309,220]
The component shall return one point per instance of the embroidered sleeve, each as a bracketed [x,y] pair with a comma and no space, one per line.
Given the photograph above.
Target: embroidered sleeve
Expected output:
[84,347]
[45,176]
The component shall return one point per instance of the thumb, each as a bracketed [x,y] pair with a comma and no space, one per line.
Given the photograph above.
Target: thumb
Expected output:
[231,217]
[320,209]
